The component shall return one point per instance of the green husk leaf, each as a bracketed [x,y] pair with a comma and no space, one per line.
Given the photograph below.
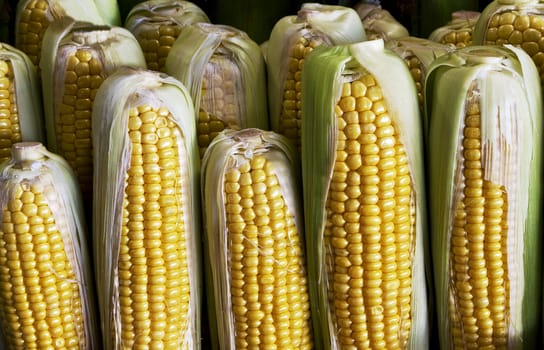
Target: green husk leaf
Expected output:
[157,12]
[511,133]
[379,23]
[324,71]
[126,88]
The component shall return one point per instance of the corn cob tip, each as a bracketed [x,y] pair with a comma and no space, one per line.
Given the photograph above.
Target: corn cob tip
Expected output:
[27,151]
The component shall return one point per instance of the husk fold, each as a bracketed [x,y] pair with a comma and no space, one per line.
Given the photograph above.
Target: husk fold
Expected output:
[126,88]
[324,72]
[511,139]
[379,23]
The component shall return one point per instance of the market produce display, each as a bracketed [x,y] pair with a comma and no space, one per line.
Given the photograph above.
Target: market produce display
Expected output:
[240,174]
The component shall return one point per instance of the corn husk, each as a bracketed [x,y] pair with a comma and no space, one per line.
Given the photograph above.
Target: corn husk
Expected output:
[378,22]
[28,97]
[33,166]
[113,46]
[204,50]
[324,72]
[461,25]
[511,143]
[126,88]
[418,53]
[330,24]
[232,149]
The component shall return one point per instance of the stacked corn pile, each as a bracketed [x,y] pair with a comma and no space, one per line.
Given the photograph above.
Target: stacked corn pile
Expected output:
[21,117]
[291,40]
[486,141]
[146,212]
[225,72]
[156,24]
[257,284]
[458,31]
[364,199]
[78,57]
[46,298]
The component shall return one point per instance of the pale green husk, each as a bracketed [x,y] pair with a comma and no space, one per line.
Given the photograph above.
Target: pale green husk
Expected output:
[231,149]
[323,74]
[126,88]
[189,58]
[32,163]
[511,134]
[115,47]
[338,25]
[28,93]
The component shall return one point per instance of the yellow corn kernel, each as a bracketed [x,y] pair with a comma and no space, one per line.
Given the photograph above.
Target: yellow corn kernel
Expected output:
[83,75]
[521,30]
[156,42]
[459,38]
[479,294]
[153,270]
[221,100]
[266,261]
[34,20]
[10,131]
[40,297]
[370,224]
[289,120]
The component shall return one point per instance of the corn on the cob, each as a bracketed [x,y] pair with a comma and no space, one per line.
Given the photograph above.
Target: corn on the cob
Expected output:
[79,56]
[257,284]
[418,54]
[21,117]
[364,199]
[291,39]
[225,72]
[378,22]
[516,22]
[34,16]
[457,32]
[146,212]
[485,145]
[157,24]
[46,297]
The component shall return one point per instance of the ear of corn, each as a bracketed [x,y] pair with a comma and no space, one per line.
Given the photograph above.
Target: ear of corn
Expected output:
[458,31]
[157,24]
[34,16]
[46,294]
[379,23]
[516,22]
[21,117]
[225,72]
[78,57]
[484,151]
[364,199]
[146,212]
[418,54]
[255,245]
[291,39]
